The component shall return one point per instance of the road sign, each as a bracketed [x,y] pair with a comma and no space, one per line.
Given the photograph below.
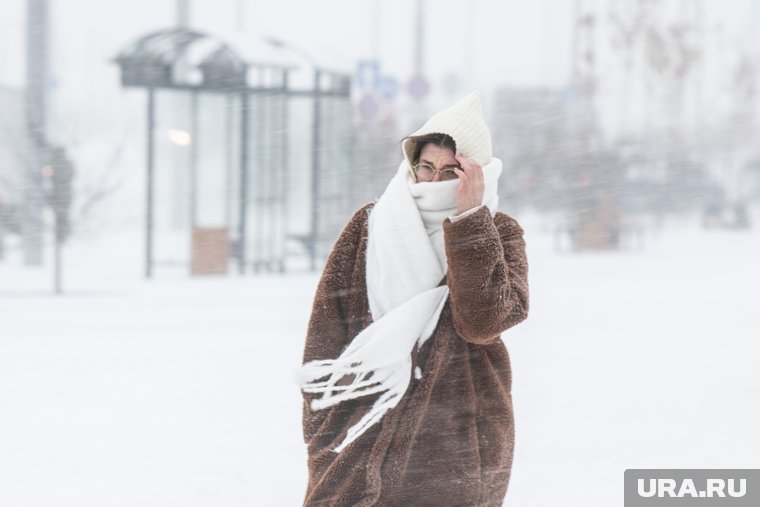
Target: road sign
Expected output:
[368,106]
[418,87]
[388,88]
[367,74]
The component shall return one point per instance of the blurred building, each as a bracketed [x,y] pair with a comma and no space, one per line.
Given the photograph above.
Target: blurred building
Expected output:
[548,142]
[535,133]
[11,160]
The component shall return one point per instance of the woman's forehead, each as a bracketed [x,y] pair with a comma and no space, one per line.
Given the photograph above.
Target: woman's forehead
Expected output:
[433,152]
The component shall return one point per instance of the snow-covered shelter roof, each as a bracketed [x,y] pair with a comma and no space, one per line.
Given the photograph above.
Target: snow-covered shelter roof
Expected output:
[180,57]
[177,57]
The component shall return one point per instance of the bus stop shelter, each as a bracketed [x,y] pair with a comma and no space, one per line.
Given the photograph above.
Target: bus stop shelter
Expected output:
[217,140]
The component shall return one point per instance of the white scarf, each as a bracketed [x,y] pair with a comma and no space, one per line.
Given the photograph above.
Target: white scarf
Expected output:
[404,269]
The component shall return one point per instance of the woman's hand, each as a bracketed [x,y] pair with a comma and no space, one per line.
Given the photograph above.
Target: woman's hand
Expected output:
[471,186]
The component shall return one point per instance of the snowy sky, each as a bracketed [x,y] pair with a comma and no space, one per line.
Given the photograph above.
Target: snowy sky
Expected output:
[491,41]
[486,43]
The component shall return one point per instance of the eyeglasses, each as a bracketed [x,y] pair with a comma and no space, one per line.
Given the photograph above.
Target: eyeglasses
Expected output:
[426,172]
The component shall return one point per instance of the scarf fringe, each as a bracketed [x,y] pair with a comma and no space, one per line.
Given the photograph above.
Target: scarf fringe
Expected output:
[371,418]
[392,380]
[353,390]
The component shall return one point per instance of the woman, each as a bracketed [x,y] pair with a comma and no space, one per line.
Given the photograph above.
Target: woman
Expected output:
[406,382]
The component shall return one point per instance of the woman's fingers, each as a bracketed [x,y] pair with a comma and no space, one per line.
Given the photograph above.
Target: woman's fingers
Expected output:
[469,166]
[462,161]
[471,185]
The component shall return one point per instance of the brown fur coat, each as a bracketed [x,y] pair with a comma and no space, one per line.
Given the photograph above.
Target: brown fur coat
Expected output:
[450,439]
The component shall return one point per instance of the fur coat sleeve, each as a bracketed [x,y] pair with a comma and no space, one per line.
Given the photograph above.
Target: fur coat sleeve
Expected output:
[449,441]
[488,275]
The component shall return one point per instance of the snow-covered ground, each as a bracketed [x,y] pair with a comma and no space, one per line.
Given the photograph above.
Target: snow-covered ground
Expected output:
[180,392]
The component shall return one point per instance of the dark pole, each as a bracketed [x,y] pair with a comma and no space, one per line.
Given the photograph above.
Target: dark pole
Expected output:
[193,161]
[315,140]
[2,244]
[57,254]
[228,161]
[285,147]
[244,134]
[58,239]
[37,72]
[419,39]
[183,13]
[240,15]
[149,185]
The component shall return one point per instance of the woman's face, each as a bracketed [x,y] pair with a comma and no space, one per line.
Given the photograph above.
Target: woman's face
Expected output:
[439,157]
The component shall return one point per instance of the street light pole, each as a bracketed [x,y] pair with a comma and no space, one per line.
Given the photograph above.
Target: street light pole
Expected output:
[149,182]
[419,39]
[244,139]
[315,156]
[183,13]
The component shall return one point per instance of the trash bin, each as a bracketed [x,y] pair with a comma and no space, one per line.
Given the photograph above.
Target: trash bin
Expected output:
[210,251]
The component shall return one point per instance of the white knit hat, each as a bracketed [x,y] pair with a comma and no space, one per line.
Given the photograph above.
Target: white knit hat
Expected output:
[465,124]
